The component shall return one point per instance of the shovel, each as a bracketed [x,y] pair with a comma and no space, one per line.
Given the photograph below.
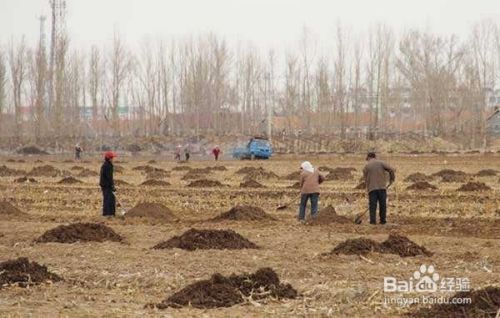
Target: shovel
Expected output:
[284,206]
[119,204]
[359,217]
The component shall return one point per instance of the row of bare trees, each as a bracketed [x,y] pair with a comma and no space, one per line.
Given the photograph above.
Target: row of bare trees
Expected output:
[379,81]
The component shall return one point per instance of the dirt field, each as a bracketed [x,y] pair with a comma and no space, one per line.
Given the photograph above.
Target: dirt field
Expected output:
[121,278]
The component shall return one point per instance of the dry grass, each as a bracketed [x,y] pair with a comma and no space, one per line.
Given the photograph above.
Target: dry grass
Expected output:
[116,280]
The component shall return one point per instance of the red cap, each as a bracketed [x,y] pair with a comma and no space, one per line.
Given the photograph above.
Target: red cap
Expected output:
[109,155]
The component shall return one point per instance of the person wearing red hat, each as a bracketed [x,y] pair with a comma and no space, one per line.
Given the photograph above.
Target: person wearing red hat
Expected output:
[108,185]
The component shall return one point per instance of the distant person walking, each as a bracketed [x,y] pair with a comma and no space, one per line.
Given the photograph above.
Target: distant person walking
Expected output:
[310,179]
[107,184]
[78,152]
[177,154]
[216,152]
[375,175]
[187,152]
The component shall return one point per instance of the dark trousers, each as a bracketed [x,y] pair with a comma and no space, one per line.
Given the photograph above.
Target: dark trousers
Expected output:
[187,157]
[314,197]
[108,202]
[380,197]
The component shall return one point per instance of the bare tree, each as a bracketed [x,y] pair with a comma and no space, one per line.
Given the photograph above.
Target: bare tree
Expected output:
[3,81]
[18,72]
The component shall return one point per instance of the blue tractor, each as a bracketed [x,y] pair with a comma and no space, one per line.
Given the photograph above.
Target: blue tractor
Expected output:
[256,148]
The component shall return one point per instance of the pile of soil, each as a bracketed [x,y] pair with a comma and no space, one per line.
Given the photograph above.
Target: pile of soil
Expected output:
[157,174]
[260,173]
[181,168]
[296,185]
[221,291]
[194,239]
[25,180]
[218,168]
[119,182]
[487,173]
[339,174]
[118,169]
[251,184]
[152,210]
[474,186]
[31,150]
[329,215]
[77,168]
[484,303]
[7,209]
[325,169]
[245,170]
[445,172]
[80,232]
[133,148]
[395,244]
[69,180]
[244,213]
[24,273]
[7,172]
[454,178]
[190,175]
[293,176]
[402,246]
[85,173]
[418,177]
[151,162]
[45,171]
[357,246]
[11,160]
[205,183]
[421,185]
[206,170]
[156,183]
[360,186]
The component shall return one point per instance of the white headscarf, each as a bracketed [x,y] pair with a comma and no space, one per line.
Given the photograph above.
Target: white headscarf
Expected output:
[307,166]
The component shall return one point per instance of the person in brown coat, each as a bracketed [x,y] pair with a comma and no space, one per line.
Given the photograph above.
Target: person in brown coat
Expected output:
[310,179]
[375,175]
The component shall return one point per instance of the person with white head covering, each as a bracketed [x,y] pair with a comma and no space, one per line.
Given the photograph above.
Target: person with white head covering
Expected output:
[310,179]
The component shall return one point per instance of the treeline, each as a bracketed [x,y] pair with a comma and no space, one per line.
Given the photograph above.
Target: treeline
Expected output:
[378,81]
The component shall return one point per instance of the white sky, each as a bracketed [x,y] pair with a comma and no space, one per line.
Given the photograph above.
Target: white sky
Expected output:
[265,23]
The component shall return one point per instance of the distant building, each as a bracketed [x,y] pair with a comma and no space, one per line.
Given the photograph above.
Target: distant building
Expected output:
[493,123]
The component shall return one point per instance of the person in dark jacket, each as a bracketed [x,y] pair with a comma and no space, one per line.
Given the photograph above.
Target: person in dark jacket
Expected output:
[375,175]
[78,152]
[108,185]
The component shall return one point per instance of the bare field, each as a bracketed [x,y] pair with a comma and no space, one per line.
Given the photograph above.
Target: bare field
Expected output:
[118,279]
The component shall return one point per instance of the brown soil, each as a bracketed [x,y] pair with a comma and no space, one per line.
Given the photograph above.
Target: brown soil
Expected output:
[260,173]
[23,273]
[484,303]
[421,185]
[402,246]
[25,180]
[7,172]
[202,183]
[121,183]
[454,178]
[293,176]
[206,170]
[474,186]
[152,210]
[118,169]
[69,180]
[157,174]
[296,185]
[244,213]
[395,244]
[181,168]
[418,177]
[251,184]
[325,169]
[194,239]
[329,215]
[339,175]
[487,173]
[85,173]
[77,168]
[218,168]
[11,160]
[357,246]
[360,186]
[445,172]
[151,161]
[156,183]
[32,150]
[8,210]
[193,176]
[80,232]
[245,170]
[45,171]
[220,291]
